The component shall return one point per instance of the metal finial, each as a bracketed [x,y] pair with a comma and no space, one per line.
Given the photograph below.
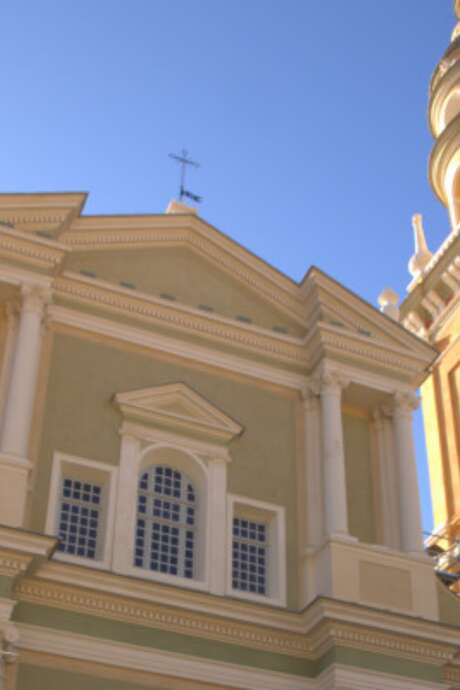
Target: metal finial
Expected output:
[183,161]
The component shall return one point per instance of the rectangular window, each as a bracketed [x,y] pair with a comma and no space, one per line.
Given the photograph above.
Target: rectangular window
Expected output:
[257,550]
[249,556]
[81,509]
[80,517]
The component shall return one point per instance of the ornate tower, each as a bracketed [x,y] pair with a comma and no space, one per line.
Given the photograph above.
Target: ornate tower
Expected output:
[432,307]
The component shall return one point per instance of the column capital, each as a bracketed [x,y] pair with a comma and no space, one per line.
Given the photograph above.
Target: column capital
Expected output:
[405,403]
[329,382]
[34,297]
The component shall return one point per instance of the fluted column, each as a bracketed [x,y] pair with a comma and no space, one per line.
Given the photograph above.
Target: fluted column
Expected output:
[409,500]
[22,386]
[335,490]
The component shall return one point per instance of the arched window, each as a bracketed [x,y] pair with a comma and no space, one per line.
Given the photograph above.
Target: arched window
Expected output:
[166,522]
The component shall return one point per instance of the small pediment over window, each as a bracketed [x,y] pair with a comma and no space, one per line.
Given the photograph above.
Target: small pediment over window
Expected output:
[178,407]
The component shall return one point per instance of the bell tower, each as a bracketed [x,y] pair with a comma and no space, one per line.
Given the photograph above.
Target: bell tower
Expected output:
[443,110]
[432,306]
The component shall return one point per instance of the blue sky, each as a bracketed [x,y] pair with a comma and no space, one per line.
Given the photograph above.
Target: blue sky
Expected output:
[309,119]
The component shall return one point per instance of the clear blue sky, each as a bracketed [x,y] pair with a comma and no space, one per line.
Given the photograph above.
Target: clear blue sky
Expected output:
[308,116]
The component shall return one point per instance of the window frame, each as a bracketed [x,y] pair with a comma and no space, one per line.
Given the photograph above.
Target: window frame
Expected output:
[274,516]
[80,468]
[137,445]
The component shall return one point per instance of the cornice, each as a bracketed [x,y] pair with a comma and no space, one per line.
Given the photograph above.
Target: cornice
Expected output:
[207,241]
[312,642]
[25,542]
[30,249]
[203,354]
[298,352]
[161,617]
[337,343]
[151,310]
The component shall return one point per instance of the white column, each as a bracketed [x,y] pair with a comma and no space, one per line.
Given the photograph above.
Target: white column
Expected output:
[126,502]
[314,499]
[22,387]
[409,500]
[217,525]
[335,490]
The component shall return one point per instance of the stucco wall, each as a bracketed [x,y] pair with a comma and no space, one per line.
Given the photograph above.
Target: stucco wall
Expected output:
[80,419]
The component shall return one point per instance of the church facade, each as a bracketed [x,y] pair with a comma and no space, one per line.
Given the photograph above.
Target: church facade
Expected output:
[207,470]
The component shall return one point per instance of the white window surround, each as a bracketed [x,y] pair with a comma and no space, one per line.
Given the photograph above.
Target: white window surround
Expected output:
[81,468]
[274,517]
[172,425]
[136,457]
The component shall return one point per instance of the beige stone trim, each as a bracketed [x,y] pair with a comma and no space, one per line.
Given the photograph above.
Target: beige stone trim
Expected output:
[149,309]
[33,250]
[161,617]
[25,542]
[13,563]
[320,634]
[157,405]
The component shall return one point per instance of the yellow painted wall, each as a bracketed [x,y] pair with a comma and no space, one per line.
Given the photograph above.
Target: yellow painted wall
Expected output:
[441,413]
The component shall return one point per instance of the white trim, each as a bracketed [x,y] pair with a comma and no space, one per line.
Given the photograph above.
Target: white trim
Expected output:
[275,517]
[39,639]
[108,507]
[173,346]
[132,457]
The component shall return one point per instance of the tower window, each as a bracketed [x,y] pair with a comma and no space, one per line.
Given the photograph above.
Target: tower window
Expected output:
[165,535]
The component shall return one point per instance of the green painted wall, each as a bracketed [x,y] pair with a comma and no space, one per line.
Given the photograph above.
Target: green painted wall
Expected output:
[379,663]
[180,272]
[80,419]
[39,678]
[361,513]
[6,586]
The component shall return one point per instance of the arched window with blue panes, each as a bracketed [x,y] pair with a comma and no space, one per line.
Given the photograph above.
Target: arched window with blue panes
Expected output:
[165,539]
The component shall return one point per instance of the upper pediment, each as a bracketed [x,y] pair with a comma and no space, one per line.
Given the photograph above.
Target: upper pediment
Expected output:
[178,407]
[349,327]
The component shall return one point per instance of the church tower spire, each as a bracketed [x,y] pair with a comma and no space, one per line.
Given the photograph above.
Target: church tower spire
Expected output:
[444,112]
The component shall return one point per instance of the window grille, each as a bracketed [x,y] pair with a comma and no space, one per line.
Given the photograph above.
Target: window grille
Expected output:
[166,522]
[79,517]
[249,556]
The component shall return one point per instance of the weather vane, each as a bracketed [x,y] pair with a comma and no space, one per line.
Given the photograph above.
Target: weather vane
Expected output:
[184,160]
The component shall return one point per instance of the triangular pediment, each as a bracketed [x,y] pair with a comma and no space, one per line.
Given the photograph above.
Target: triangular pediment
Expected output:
[176,406]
